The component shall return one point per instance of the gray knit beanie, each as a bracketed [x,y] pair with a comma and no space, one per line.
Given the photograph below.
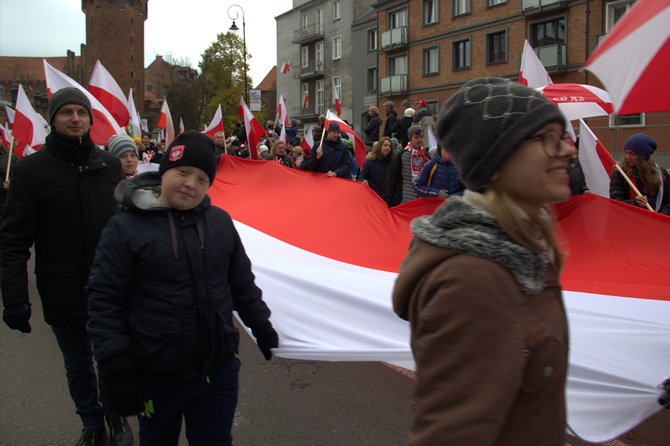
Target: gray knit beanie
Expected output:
[120,144]
[484,122]
[69,95]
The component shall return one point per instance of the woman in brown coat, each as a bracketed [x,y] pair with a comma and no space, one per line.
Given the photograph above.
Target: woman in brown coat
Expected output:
[479,284]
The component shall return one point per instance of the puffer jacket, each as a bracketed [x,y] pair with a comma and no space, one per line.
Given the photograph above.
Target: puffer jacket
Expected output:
[60,199]
[444,177]
[164,296]
[489,333]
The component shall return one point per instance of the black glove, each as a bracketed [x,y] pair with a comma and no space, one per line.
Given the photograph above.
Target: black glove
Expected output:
[266,338]
[125,392]
[17,316]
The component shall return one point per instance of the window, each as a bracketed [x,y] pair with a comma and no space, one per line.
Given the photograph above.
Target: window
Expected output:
[462,54]
[433,107]
[496,47]
[431,60]
[337,10]
[398,19]
[397,65]
[431,12]
[372,40]
[150,88]
[319,55]
[372,80]
[319,95]
[337,86]
[490,3]
[615,10]
[304,57]
[319,21]
[548,33]
[461,7]
[627,121]
[337,47]
[304,21]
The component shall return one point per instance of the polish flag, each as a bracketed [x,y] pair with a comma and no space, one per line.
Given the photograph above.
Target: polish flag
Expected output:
[282,135]
[336,101]
[597,162]
[359,146]
[105,89]
[181,126]
[532,72]
[286,67]
[104,125]
[6,134]
[619,327]
[215,126]
[10,114]
[254,130]
[135,121]
[27,129]
[165,122]
[305,101]
[282,112]
[307,141]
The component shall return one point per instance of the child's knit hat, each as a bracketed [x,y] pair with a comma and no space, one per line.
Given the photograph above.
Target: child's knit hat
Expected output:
[193,149]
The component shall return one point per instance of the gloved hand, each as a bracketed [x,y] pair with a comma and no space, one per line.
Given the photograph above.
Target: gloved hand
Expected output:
[266,338]
[125,392]
[17,316]
[442,193]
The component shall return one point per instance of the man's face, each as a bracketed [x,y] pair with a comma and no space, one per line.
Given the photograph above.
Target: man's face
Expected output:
[146,141]
[72,121]
[417,140]
[219,140]
[332,136]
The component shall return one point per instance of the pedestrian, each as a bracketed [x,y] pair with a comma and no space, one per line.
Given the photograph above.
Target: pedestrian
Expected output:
[125,148]
[405,169]
[4,158]
[167,276]
[652,181]
[278,154]
[372,129]
[480,283]
[377,166]
[439,177]
[391,118]
[59,199]
[332,157]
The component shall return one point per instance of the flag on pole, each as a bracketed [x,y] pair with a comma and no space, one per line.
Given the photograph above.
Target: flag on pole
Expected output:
[10,114]
[336,101]
[27,128]
[165,122]
[282,112]
[532,72]
[307,141]
[105,89]
[6,134]
[216,125]
[305,101]
[432,140]
[181,126]
[359,147]
[597,162]
[254,130]
[286,67]
[104,125]
[135,123]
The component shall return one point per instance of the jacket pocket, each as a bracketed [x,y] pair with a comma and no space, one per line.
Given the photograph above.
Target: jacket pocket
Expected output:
[546,363]
[229,336]
[154,342]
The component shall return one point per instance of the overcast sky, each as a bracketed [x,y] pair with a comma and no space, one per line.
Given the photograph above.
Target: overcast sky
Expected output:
[49,28]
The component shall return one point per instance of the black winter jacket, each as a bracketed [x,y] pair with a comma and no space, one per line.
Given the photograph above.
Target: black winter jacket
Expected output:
[336,157]
[60,198]
[620,191]
[376,173]
[391,119]
[166,304]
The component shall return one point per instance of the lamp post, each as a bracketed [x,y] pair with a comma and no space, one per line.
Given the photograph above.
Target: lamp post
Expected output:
[234,27]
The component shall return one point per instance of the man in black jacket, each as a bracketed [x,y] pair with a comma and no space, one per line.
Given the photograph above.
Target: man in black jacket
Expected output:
[333,158]
[391,118]
[59,200]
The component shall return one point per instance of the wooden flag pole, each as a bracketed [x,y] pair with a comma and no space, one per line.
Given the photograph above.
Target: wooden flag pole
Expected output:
[630,183]
[323,133]
[9,158]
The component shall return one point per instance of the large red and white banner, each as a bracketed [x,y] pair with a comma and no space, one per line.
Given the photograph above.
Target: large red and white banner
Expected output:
[329,283]
[106,90]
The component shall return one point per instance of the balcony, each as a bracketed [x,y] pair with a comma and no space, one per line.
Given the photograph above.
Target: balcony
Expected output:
[393,85]
[394,38]
[307,34]
[537,6]
[311,71]
[552,57]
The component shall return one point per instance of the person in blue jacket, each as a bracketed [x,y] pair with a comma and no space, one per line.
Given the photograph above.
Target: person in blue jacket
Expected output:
[439,177]
[168,273]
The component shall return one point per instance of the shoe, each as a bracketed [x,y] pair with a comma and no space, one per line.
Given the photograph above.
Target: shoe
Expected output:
[92,437]
[119,431]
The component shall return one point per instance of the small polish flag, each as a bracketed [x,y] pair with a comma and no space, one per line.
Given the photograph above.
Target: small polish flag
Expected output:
[286,67]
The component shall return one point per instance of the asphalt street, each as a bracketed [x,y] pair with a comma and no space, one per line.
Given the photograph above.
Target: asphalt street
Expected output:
[282,402]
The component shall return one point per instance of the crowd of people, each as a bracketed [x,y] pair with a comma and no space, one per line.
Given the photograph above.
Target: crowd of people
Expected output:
[479,283]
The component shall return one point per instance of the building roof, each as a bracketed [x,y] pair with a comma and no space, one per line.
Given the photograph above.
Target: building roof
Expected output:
[28,68]
[270,80]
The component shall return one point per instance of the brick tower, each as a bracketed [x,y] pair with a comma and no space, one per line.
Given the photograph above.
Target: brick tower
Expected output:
[115,36]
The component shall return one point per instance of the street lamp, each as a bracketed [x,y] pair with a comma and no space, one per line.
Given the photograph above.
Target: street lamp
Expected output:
[234,27]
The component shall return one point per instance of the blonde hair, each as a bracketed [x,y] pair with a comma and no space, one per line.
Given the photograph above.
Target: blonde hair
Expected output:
[504,209]
[276,144]
[644,173]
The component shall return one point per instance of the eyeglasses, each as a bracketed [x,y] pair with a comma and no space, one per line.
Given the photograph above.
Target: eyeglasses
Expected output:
[551,141]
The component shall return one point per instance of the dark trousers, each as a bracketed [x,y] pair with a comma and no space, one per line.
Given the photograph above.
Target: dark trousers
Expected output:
[85,389]
[208,409]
